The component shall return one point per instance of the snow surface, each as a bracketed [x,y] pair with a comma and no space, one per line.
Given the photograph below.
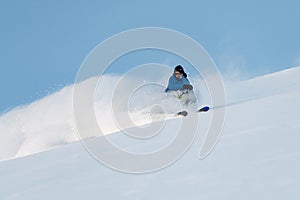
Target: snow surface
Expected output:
[257,156]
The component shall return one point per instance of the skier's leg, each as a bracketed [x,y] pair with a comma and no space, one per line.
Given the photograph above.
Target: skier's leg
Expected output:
[191,102]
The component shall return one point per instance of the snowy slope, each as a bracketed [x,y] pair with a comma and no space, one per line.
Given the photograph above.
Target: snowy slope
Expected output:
[257,156]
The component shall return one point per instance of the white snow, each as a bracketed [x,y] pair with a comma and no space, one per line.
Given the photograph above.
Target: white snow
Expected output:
[257,156]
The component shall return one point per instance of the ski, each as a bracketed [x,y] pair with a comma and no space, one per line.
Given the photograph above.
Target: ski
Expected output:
[182,113]
[203,109]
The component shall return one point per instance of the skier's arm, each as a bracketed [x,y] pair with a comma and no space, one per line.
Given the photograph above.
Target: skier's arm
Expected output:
[185,81]
[168,87]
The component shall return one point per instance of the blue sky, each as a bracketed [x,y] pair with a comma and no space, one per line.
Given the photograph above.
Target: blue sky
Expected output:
[43,43]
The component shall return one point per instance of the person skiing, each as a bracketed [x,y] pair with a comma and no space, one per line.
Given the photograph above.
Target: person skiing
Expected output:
[180,87]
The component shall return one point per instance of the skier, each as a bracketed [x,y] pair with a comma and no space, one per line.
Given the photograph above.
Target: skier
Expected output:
[180,87]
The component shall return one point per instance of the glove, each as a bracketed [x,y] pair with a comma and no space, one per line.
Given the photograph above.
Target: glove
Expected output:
[187,87]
